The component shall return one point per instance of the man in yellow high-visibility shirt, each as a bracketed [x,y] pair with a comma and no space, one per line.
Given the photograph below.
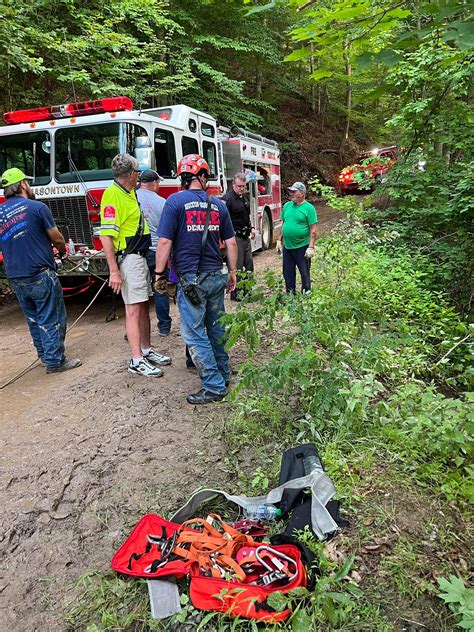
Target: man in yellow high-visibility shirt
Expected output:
[126,239]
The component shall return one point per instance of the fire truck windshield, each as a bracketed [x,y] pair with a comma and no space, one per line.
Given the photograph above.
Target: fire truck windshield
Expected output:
[85,152]
[30,152]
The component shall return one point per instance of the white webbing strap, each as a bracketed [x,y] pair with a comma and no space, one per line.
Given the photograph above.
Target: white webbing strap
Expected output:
[320,484]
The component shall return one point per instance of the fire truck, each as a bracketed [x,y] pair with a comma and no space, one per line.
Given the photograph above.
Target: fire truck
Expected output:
[68,150]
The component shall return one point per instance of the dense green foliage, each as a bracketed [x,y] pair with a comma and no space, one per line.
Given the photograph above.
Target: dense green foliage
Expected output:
[52,51]
[420,59]
[375,366]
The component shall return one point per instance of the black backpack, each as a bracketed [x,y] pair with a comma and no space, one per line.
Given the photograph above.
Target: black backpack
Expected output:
[296,500]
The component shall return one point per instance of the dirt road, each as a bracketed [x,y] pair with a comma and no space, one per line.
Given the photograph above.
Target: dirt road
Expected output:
[84,454]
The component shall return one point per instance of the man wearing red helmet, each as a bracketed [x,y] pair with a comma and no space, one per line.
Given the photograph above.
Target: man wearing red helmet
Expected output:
[191,228]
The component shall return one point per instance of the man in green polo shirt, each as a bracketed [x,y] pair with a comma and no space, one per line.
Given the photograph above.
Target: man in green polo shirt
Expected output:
[298,234]
[126,239]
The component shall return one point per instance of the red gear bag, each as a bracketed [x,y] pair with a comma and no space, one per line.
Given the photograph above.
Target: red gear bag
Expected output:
[140,557]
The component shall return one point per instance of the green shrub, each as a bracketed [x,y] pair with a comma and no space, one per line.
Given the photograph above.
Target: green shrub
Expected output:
[366,352]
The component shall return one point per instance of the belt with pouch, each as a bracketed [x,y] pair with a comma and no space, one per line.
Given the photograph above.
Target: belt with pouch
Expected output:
[121,254]
[243,233]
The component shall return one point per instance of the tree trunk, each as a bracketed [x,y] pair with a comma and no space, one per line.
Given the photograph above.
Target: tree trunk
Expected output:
[447,154]
[324,106]
[313,83]
[319,100]
[348,67]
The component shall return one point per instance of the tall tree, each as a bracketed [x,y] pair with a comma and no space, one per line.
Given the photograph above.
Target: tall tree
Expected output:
[55,50]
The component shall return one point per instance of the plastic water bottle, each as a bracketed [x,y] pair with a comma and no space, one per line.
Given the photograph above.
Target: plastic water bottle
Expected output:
[72,249]
[224,268]
[262,512]
[312,463]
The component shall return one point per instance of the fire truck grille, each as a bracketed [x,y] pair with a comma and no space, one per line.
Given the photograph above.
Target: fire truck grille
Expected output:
[72,218]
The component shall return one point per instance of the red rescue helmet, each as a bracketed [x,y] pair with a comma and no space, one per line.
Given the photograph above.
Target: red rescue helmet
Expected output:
[192,164]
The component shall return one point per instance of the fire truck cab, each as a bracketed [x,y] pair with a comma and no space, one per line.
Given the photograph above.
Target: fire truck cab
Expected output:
[68,150]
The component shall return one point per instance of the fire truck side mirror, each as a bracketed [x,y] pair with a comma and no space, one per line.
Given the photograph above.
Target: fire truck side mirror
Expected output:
[143,151]
[144,157]
[142,141]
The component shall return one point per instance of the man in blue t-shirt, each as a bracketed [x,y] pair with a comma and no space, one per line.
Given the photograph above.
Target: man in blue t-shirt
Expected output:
[202,276]
[27,230]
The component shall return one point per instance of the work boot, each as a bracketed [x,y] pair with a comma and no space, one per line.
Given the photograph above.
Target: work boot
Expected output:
[205,397]
[65,366]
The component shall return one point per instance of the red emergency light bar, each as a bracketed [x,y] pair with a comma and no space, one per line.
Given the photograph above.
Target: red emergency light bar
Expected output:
[99,106]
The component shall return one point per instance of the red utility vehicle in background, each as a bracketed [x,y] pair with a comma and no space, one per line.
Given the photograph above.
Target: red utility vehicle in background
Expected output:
[368,171]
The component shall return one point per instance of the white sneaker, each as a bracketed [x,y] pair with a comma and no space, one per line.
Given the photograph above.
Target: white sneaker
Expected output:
[144,368]
[157,358]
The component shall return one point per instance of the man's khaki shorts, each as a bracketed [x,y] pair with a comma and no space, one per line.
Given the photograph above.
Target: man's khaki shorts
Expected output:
[136,283]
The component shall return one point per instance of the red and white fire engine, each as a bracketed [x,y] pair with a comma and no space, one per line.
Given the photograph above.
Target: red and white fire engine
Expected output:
[68,149]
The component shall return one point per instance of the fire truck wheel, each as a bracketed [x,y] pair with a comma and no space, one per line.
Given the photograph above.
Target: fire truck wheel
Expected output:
[267,236]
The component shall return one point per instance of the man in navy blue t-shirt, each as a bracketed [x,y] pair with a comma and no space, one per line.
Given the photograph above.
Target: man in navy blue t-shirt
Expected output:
[27,230]
[180,233]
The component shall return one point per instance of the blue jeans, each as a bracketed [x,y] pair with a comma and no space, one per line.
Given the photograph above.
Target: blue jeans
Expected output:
[202,331]
[41,300]
[162,302]
[293,259]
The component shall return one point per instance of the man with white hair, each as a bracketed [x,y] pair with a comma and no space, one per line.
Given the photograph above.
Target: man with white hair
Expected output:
[298,233]
[126,239]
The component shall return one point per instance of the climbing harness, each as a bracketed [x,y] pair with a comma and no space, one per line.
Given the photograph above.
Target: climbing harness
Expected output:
[220,551]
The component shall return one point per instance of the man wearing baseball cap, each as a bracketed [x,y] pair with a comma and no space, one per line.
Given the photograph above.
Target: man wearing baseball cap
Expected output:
[27,231]
[152,204]
[298,234]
